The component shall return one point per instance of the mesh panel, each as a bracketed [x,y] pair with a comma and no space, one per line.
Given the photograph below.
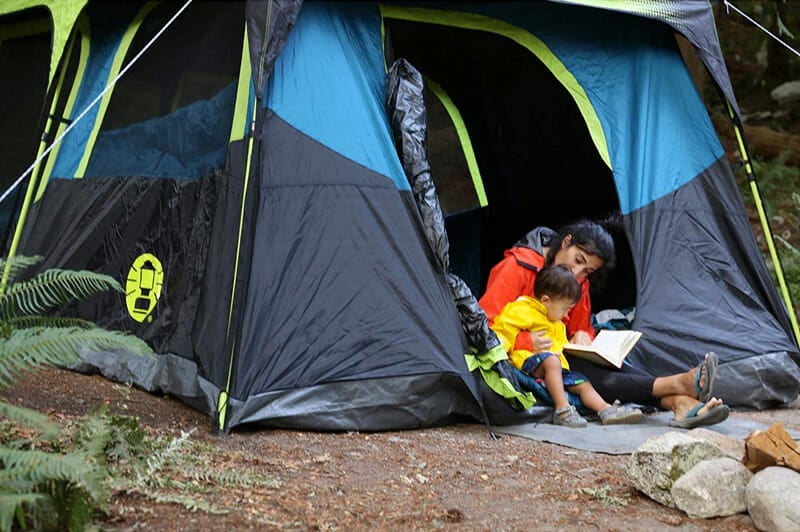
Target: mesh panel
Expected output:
[448,165]
[170,115]
[24,65]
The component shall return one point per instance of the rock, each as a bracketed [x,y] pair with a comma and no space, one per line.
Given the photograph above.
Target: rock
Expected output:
[712,488]
[663,459]
[730,446]
[773,499]
[786,92]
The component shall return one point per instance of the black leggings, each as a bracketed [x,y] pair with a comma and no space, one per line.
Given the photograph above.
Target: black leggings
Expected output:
[628,384]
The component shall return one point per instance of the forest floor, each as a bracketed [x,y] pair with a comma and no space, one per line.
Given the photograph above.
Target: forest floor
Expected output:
[454,477]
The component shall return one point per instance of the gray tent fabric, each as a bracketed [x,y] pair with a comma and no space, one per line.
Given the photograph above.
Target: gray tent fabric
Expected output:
[272,19]
[407,111]
[686,321]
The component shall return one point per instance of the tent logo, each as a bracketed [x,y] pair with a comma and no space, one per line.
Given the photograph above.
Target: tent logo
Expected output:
[143,287]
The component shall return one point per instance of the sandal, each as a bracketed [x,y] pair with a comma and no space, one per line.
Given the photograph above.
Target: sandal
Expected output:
[692,420]
[710,361]
[617,414]
[568,416]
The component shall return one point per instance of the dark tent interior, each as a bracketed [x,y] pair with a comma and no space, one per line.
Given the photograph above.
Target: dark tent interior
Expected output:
[21,99]
[536,158]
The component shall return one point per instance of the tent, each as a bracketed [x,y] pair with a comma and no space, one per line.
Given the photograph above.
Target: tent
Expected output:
[303,198]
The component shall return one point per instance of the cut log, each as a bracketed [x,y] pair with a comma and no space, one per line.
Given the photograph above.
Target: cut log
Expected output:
[768,143]
[772,447]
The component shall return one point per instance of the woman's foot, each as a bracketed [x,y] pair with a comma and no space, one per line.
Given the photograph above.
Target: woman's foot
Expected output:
[702,377]
[711,412]
[684,406]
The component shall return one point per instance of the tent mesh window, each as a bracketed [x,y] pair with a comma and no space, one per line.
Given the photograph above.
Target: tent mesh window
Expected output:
[174,107]
[25,46]
[537,161]
[446,157]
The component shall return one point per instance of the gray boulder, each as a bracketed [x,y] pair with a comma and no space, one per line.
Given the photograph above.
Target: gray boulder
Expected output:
[712,488]
[663,459]
[773,499]
[730,446]
[786,92]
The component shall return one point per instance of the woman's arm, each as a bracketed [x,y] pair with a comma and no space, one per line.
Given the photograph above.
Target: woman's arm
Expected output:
[507,281]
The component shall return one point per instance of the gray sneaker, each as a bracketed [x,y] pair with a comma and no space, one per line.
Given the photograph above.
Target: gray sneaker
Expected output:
[617,414]
[568,417]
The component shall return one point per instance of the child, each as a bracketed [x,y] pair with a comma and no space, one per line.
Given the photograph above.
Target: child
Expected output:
[555,292]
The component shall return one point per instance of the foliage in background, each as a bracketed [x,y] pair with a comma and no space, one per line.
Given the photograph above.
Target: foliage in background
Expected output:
[42,485]
[779,184]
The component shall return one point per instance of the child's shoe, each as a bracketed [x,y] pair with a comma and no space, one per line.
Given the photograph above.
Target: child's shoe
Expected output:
[568,417]
[617,414]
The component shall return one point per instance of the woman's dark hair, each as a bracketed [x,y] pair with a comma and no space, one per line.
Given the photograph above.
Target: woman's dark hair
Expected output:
[591,237]
[557,282]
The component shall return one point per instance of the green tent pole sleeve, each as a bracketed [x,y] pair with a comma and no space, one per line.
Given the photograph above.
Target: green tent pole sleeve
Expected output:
[463,137]
[762,215]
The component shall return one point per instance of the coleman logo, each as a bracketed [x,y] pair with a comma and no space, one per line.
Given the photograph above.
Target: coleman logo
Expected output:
[143,287]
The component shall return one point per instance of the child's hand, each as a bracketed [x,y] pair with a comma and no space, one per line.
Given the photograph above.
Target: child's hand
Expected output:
[540,343]
[581,338]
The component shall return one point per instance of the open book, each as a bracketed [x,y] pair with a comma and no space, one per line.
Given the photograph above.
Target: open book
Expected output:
[609,348]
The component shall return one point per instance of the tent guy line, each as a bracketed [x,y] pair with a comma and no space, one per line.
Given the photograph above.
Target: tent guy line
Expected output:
[83,113]
[729,6]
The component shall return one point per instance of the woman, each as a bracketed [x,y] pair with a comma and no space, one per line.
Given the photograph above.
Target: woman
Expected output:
[585,248]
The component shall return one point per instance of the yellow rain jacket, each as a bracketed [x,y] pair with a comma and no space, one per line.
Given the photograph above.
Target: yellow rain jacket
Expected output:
[528,314]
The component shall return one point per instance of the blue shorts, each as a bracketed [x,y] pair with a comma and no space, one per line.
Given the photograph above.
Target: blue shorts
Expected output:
[570,378]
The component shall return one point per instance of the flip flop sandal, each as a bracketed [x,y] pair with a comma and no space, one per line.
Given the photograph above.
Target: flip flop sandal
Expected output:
[711,362]
[716,415]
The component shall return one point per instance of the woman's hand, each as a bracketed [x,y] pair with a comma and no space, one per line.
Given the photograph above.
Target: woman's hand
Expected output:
[581,338]
[540,343]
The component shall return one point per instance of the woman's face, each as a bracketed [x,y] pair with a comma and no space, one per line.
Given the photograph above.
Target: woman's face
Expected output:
[580,263]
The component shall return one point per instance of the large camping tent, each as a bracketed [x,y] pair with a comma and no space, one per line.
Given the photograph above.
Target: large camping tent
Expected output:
[259,179]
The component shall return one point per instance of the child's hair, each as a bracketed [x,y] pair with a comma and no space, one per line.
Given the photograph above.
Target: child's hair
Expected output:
[558,282]
[591,237]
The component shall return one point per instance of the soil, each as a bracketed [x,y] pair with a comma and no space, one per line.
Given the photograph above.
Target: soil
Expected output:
[455,477]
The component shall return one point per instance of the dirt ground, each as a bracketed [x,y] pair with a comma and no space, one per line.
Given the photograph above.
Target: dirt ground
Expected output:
[454,477]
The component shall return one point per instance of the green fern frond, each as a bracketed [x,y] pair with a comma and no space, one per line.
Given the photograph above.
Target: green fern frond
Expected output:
[53,288]
[28,348]
[233,477]
[27,322]
[18,263]
[187,501]
[36,467]
[29,418]
[9,502]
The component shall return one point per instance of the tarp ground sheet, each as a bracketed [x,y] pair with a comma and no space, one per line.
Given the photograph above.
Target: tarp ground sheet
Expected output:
[620,439]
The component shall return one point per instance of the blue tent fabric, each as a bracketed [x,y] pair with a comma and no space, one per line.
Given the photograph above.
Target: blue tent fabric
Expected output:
[107,30]
[337,98]
[187,143]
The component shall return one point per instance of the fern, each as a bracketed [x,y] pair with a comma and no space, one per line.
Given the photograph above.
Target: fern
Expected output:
[27,348]
[25,322]
[53,288]
[29,418]
[48,489]
[18,264]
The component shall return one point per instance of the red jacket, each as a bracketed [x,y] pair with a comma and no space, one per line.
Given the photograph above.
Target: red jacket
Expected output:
[513,277]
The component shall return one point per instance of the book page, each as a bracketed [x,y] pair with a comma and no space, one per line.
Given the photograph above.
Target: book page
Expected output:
[608,347]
